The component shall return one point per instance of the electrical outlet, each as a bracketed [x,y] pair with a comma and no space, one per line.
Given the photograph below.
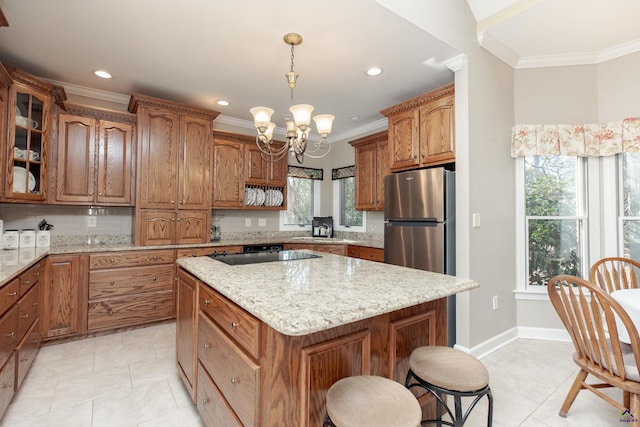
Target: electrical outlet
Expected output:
[92,221]
[262,222]
[495,302]
[247,222]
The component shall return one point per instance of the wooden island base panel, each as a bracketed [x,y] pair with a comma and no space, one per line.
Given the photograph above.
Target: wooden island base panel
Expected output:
[260,345]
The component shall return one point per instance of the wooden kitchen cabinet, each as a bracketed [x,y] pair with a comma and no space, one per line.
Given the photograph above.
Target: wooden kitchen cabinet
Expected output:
[260,171]
[372,165]
[366,252]
[228,171]
[166,227]
[422,130]
[130,288]
[173,165]
[27,148]
[186,330]
[64,293]
[193,252]
[94,157]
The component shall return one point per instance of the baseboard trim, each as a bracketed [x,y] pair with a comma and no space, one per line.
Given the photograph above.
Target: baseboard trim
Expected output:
[492,344]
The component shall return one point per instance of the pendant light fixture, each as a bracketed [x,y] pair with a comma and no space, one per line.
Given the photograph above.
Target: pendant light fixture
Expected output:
[298,127]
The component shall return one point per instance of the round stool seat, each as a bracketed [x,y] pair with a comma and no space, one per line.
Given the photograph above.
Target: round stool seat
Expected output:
[449,368]
[368,400]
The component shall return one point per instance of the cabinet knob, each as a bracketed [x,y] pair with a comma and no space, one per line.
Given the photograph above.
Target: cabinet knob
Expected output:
[24,359]
[155,257]
[173,201]
[12,294]
[205,401]
[10,335]
[91,193]
[35,304]
[153,307]
[26,282]
[207,301]
[112,260]
[153,279]
[235,380]
[7,385]
[110,312]
[26,316]
[100,194]
[207,345]
[234,325]
[112,283]
[182,202]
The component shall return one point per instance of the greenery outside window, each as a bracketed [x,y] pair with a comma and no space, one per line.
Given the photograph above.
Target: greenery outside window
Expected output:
[303,195]
[630,209]
[344,201]
[555,209]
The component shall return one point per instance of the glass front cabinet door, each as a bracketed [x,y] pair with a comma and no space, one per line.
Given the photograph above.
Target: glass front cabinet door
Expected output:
[29,119]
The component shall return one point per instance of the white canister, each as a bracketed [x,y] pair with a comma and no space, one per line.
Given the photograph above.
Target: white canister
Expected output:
[28,239]
[10,239]
[43,238]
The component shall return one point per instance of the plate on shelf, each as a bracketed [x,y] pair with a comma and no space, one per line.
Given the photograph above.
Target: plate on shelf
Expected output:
[279,198]
[20,178]
[260,196]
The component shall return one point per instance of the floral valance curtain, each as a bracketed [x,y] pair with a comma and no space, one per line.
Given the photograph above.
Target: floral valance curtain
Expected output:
[310,173]
[342,173]
[589,139]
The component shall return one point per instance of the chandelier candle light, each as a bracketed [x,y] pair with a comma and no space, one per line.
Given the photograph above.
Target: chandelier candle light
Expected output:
[298,127]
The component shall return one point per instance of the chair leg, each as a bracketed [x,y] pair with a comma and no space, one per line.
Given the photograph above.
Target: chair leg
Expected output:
[573,392]
[459,421]
[490,414]
[634,406]
[625,399]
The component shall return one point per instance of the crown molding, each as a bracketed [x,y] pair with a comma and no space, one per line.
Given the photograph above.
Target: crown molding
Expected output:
[497,48]
[88,92]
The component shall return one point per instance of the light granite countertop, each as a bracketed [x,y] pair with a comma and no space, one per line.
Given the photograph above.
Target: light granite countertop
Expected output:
[15,261]
[305,296]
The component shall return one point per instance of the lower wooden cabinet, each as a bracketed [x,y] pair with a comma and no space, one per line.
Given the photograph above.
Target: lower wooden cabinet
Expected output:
[64,296]
[187,329]
[213,408]
[7,383]
[366,252]
[130,288]
[26,352]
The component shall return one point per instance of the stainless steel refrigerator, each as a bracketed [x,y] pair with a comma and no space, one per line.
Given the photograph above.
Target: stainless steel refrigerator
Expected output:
[419,219]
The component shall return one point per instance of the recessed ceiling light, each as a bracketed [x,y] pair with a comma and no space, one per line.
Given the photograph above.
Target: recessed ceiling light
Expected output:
[222,102]
[374,71]
[102,74]
[353,118]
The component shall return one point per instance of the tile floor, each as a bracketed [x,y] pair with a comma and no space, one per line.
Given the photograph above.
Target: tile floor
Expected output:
[130,379]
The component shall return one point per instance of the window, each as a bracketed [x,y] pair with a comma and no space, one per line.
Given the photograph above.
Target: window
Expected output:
[630,199]
[346,217]
[303,198]
[555,217]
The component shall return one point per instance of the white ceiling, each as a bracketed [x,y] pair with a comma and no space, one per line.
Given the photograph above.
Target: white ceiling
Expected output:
[199,51]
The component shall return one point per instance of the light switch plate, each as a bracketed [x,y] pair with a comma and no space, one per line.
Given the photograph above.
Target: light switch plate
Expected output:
[476,220]
[262,222]
[247,222]
[92,221]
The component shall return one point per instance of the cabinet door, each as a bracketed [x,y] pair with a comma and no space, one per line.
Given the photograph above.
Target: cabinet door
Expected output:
[437,143]
[187,329]
[192,227]
[228,174]
[195,163]
[64,296]
[157,151]
[27,145]
[366,175]
[155,227]
[115,163]
[76,165]
[279,172]
[382,170]
[256,168]
[404,140]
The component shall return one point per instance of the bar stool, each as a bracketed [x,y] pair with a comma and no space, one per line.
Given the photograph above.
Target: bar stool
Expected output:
[369,400]
[444,370]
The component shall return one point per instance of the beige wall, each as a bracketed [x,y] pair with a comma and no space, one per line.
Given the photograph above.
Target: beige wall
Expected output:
[618,89]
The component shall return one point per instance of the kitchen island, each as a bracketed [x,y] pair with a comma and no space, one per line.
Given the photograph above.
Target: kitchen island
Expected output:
[261,344]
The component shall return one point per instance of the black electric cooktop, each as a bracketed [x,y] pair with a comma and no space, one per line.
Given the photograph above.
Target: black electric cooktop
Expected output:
[258,257]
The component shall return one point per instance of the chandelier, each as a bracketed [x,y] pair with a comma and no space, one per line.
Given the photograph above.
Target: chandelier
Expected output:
[298,127]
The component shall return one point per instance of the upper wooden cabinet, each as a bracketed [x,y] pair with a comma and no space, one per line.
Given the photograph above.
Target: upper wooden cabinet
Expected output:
[228,171]
[422,130]
[26,150]
[260,171]
[173,167]
[94,157]
[372,164]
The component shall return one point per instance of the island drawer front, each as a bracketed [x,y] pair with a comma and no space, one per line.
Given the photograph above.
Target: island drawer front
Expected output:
[26,353]
[192,252]
[232,371]
[332,249]
[7,384]
[9,294]
[30,277]
[243,327]
[130,259]
[131,280]
[372,254]
[8,333]
[131,310]
[212,407]
[27,311]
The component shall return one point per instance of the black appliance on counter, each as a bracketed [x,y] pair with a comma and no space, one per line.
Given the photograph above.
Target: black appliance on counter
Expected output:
[252,249]
[262,256]
[322,226]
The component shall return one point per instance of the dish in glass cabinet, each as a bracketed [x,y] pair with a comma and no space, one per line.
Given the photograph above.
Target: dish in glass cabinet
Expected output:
[20,179]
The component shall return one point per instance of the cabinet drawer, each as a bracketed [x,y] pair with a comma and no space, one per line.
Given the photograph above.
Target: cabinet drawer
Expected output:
[236,322]
[30,277]
[26,353]
[211,404]
[130,259]
[8,333]
[353,251]
[9,295]
[372,254]
[27,311]
[131,310]
[332,249]
[183,253]
[233,372]
[132,280]
[7,387]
